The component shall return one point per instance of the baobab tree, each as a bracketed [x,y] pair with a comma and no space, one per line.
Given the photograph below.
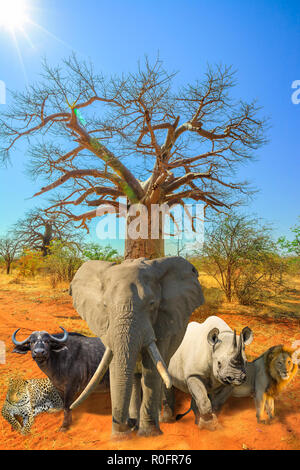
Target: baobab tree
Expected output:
[37,230]
[136,136]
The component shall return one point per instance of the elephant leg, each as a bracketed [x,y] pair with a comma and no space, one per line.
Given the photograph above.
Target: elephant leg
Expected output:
[152,391]
[168,409]
[135,402]
[151,402]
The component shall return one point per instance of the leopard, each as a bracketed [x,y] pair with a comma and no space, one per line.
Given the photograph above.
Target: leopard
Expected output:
[26,398]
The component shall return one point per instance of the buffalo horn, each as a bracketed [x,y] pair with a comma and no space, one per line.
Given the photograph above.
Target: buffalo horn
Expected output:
[18,343]
[60,340]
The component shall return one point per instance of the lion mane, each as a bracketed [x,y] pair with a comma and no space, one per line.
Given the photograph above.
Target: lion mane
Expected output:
[277,384]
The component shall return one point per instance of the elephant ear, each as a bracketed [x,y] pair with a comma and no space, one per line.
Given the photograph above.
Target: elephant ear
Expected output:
[181,294]
[86,290]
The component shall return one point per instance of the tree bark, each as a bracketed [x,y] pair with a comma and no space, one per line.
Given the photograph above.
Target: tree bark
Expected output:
[8,265]
[150,240]
[47,239]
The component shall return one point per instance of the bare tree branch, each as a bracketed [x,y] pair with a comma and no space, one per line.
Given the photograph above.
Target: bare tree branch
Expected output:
[140,137]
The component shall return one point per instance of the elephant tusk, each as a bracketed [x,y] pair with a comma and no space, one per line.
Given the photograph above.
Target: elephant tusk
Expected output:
[160,364]
[97,377]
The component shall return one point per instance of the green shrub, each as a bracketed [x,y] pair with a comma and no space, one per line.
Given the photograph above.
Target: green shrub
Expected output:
[94,251]
[63,261]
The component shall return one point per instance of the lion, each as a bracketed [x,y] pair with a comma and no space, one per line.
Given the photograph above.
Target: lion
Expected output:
[267,376]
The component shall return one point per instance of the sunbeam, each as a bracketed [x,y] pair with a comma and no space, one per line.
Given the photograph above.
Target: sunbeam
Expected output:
[44,30]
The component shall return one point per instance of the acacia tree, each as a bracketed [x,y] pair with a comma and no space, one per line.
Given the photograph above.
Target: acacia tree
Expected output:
[140,137]
[37,230]
[240,254]
[9,250]
[294,245]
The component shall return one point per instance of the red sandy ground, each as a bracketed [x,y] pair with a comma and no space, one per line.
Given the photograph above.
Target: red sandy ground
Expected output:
[34,308]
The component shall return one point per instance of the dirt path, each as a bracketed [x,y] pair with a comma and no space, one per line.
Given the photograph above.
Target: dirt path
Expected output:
[34,308]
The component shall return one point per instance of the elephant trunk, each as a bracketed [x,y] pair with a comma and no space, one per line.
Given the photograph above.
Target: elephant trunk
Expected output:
[127,344]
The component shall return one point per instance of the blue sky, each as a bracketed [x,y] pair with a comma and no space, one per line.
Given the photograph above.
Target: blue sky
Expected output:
[261,39]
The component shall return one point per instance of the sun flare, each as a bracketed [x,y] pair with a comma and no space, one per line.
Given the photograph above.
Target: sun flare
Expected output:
[13,14]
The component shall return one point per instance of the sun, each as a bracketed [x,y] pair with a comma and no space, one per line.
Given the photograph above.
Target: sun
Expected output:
[13,14]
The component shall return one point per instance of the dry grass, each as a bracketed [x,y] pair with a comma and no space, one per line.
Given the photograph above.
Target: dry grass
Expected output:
[286,304]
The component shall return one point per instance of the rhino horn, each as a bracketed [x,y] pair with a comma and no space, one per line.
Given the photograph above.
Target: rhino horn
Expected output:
[241,344]
[234,339]
[237,359]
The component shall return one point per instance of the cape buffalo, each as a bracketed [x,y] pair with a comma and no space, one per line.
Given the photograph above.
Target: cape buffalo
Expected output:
[68,359]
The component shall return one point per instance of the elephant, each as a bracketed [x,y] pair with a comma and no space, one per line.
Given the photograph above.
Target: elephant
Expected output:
[140,309]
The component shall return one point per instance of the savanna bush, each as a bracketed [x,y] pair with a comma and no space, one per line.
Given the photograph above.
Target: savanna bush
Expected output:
[240,255]
[293,265]
[94,251]
[62,262]
[29,263]
[260,279]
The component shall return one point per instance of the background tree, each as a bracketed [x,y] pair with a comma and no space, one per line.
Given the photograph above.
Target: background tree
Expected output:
[294,245]
[94,251]
[37,230]
[10,248]
[138,138]
[62,262]
[240,254]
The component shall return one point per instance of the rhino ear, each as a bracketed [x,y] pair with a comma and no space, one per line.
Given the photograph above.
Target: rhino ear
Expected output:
[213,337]
[247,335]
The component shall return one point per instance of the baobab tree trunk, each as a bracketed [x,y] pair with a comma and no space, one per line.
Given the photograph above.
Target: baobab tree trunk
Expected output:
[144,236]
[47,239]
[143,248]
